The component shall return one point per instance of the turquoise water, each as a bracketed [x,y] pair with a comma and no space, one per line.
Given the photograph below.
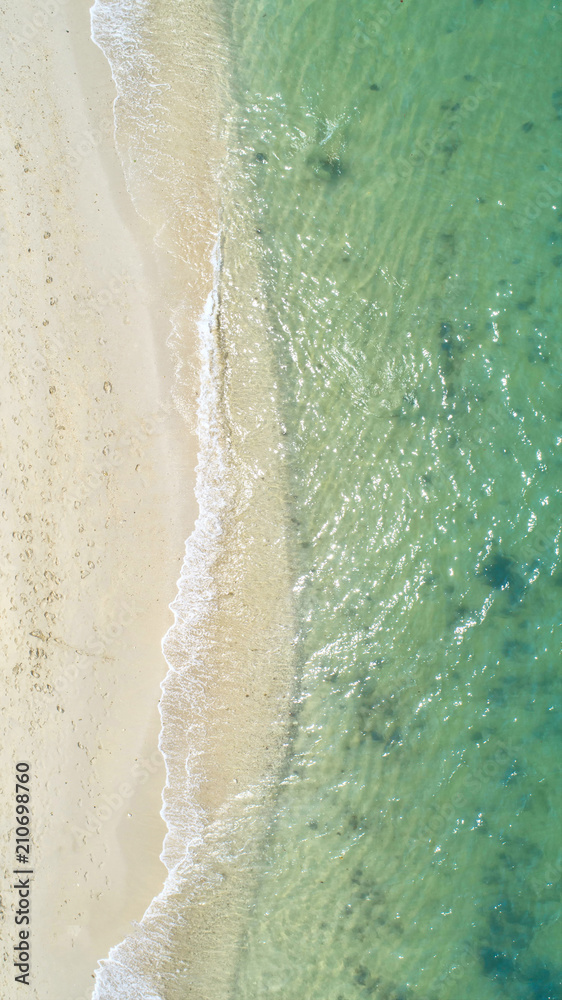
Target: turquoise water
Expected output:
[386,289]
[406,199]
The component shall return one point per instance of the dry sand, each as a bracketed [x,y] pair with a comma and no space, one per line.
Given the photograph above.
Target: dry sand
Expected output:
[97,499]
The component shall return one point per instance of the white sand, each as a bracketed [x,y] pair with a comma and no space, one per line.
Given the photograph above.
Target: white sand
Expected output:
[97,481]
[96,504]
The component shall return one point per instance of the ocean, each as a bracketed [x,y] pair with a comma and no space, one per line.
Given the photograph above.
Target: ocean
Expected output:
[383,353]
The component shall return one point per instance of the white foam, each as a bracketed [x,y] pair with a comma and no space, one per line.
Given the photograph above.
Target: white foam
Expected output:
[121,974]
[200,847]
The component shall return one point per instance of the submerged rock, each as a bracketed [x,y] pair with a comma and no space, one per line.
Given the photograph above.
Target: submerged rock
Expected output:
[446,336]
[331,165]
[543,982]
[497,964]
[499,571]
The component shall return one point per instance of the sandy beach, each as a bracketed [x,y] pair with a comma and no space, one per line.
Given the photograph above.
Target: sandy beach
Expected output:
[97,499]
[279,555]
[101,376]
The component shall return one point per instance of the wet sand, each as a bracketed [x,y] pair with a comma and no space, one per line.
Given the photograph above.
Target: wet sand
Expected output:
[101,379]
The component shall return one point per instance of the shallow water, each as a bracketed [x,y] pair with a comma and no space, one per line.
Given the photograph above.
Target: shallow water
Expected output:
[394,178]
[408,198]
[229,652]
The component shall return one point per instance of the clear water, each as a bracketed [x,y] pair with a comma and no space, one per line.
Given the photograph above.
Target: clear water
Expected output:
[394,178]
[408,197]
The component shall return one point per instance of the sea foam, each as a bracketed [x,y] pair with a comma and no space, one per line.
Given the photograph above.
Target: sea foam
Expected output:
[229,651]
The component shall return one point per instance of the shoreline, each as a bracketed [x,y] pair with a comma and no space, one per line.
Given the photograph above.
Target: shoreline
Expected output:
[109,318]
[99,487]
[225,700]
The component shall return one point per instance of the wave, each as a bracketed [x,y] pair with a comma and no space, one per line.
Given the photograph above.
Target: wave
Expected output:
[229,652]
